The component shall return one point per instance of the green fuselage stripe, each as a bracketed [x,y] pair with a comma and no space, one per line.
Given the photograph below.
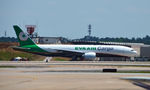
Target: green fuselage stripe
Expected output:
[33,48]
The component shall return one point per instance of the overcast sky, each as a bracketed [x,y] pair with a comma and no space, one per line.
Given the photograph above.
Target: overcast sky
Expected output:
[70,18]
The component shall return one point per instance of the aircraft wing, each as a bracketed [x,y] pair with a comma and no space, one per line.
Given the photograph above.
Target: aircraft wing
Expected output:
[143,82]
[72,53]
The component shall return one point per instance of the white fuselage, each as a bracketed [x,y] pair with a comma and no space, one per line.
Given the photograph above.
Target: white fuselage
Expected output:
[98,49]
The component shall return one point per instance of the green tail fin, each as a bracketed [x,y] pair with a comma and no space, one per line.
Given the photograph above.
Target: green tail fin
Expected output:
[22,37]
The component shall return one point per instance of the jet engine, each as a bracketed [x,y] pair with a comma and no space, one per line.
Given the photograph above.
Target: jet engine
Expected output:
[89,55]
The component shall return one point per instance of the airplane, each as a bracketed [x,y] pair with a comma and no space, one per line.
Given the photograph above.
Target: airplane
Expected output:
[73,51]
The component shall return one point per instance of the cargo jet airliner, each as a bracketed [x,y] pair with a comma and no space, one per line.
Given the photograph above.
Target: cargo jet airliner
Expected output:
[74,51]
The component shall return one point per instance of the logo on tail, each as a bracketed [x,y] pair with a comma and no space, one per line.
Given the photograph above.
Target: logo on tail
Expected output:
[22,36]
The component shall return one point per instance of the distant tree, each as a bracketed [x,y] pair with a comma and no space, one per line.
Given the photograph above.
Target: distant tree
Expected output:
[145,40]
[8,39]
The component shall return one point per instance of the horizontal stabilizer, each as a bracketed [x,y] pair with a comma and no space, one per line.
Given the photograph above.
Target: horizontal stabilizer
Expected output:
[21,48]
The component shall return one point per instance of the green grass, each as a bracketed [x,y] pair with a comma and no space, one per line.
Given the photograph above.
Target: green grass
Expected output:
[7,66]
[8,54]
[133,71]
[59,59]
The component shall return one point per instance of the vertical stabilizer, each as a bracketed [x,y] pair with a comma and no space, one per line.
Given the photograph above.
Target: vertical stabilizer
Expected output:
[23,38]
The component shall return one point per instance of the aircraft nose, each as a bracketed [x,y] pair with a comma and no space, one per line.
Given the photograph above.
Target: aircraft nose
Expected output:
[134,53]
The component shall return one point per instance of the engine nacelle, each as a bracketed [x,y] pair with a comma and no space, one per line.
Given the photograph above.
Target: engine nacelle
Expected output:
[89,55]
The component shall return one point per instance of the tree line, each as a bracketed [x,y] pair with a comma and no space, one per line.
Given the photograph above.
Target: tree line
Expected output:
[8,39]
[145,40]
